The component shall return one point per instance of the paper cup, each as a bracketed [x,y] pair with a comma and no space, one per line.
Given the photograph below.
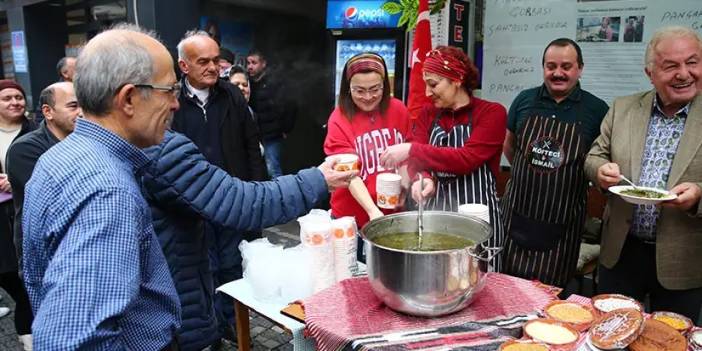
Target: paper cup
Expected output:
[345,162]
[388,188]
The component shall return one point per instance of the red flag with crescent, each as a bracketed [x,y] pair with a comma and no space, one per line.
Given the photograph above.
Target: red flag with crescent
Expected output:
[420,47]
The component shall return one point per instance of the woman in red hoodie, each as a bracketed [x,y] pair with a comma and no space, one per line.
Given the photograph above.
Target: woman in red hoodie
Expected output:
[366,121]
[456,141]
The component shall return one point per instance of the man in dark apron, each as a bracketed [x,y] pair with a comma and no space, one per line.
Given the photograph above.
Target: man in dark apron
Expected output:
[550,130]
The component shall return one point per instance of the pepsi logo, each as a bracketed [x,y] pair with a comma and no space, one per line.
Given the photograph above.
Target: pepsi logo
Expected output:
[351,13]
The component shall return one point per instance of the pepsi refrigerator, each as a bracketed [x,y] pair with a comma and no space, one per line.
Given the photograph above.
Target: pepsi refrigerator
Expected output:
[360,26]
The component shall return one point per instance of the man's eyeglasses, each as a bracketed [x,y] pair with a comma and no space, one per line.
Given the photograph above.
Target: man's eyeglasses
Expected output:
[175,89]
[374,91]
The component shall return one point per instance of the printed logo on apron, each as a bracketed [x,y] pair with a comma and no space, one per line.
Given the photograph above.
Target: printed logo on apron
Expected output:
[545,154]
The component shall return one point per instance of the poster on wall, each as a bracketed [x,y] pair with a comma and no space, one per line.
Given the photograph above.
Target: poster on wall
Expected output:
[19,52]
[235,36]
[612,35]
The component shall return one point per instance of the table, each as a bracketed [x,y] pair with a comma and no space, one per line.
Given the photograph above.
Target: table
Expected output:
[244,300]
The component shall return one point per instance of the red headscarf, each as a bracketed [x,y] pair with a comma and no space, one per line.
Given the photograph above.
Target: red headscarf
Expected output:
[445,66]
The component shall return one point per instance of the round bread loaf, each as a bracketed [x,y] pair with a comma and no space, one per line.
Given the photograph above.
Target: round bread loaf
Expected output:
[616,329]
[659,336]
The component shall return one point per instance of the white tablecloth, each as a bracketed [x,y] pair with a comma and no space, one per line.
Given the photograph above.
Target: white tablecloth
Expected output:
[242,291]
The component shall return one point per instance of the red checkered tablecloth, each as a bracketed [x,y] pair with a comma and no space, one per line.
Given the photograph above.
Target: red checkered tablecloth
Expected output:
[349,313]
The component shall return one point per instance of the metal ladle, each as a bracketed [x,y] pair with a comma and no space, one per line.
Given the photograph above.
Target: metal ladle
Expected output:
[420,213]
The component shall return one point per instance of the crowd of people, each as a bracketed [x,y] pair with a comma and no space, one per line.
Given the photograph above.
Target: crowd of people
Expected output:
[130,197]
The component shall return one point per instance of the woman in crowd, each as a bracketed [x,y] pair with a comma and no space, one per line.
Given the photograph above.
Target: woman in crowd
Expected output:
[366,121]
[13,124]
[239,77]
[458,140]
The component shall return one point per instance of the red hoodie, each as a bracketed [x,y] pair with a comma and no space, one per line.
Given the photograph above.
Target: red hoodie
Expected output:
[366,135]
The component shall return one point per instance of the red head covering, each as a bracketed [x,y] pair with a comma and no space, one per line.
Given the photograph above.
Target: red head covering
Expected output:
[363,63]
[10,84]
[445,66]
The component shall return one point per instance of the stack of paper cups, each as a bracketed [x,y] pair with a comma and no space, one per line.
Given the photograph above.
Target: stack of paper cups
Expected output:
[315,233]
[344,241]
[475,210]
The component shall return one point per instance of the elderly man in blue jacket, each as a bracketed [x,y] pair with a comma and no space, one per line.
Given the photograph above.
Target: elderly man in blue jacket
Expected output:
[184,190]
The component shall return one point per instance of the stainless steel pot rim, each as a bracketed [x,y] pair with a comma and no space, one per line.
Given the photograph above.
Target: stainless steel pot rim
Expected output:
[389,217]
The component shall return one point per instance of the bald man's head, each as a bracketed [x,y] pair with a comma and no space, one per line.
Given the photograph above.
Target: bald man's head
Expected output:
[60,108]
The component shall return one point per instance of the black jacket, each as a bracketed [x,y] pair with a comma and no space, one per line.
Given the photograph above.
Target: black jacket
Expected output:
[275,113]
[225,121]
[8,254]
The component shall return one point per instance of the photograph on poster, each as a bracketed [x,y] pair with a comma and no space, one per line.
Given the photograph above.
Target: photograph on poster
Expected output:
[633,29]
[598,29]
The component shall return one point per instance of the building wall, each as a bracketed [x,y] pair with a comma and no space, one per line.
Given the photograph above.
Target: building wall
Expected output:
[297,47]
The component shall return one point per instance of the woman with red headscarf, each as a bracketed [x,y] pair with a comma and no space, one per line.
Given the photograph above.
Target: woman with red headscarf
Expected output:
[366,122]
[456,142]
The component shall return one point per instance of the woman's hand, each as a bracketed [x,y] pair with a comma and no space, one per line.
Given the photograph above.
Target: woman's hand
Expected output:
[394,155]
[375,213]
[418,193]
[5,183]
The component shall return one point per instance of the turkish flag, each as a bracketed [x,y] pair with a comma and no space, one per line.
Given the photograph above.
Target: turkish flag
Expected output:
[420,48]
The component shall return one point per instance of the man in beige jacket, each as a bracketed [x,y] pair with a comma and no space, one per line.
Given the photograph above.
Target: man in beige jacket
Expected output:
[654,139]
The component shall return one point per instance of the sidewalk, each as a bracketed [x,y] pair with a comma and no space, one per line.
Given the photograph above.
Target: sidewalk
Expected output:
[265,335]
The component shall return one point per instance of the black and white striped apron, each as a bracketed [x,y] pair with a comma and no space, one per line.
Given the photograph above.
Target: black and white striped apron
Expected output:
[544,206]
[453,190]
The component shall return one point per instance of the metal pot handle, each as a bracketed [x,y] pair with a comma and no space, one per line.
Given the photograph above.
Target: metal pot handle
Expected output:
[492,252]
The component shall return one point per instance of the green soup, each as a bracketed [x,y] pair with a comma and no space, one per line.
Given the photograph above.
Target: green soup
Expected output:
[649,194]
[430,241]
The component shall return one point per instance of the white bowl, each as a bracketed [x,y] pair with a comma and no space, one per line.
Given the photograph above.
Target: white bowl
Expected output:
[637,200]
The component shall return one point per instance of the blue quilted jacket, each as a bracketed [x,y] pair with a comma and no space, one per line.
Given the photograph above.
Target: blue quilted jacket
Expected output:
[183,190]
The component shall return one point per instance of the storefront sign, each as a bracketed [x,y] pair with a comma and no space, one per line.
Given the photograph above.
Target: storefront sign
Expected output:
[19,52]
[359,14]
[459,22]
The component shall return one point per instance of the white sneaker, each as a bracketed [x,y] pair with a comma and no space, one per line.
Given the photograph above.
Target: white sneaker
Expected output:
[4,311]
[26,341]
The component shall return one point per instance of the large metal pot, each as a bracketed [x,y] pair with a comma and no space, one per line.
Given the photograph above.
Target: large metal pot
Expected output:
[428,283]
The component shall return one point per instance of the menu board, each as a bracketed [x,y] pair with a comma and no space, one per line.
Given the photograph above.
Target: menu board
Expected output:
[612,35]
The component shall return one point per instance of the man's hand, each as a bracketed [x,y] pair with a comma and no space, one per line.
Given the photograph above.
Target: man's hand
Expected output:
[336,179]
[394,155]
[689,195]
[426,193]
[5,183]
[608,175]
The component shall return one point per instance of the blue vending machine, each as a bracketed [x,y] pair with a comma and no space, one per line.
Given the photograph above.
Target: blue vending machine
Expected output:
[362,25]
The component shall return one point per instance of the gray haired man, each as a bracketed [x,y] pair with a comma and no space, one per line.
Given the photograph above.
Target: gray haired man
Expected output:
[93,268]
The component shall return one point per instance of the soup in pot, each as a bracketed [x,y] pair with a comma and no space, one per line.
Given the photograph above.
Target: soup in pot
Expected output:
[430,241]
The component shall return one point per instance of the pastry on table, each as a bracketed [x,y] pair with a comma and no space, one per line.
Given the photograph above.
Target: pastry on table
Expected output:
[609,302]
[616,329]
[574,314]
[677,321]
[659,336]
[551,332]
[523,345]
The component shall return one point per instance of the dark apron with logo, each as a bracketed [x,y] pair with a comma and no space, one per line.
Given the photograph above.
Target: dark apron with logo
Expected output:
[453,190]
[545,202]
